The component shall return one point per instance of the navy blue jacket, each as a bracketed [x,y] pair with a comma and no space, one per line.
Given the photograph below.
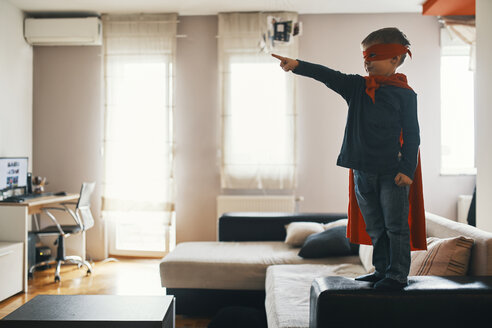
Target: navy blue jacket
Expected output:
[371,142]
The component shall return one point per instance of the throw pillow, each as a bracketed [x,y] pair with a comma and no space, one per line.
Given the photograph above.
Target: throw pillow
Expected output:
[444,257]
[297,232]
[337,223]
[331,242]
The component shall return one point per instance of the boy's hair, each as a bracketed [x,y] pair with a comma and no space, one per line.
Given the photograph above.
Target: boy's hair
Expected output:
[387,35]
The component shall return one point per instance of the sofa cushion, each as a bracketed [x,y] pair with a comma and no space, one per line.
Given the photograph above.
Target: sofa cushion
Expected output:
[365,255]
[331,242]
[481,253]
[288,287]
[230,265]
[444,257]
[297,232]
[265,226]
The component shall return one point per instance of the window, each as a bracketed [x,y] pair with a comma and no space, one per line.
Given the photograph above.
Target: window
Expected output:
[258,109]
[259,136]
[135,169]
[457,110]
[138,175]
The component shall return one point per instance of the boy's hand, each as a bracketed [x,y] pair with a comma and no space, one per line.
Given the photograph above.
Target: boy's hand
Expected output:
[287,64]
[402,180]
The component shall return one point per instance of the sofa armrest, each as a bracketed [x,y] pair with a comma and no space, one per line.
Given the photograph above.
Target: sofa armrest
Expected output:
[428,301]
[265,226]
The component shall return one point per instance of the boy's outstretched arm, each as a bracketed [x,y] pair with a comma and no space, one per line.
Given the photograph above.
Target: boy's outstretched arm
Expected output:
[339,82]
[287,64]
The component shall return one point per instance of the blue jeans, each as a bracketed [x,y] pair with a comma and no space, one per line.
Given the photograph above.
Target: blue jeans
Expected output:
[384,206]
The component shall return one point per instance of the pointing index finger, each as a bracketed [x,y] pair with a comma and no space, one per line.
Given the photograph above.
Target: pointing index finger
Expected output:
[278,57]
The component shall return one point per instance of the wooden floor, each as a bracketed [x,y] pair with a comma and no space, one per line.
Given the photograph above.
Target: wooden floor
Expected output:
[121,277]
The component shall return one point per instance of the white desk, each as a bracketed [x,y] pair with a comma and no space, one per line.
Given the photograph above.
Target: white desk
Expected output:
[15,221]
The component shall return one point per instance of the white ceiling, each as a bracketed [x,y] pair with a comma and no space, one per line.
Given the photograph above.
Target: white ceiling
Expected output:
[211,7]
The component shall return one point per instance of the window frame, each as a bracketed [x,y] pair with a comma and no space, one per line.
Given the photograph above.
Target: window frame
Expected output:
[454,47]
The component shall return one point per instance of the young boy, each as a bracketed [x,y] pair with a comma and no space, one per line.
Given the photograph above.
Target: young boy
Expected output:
[382,110]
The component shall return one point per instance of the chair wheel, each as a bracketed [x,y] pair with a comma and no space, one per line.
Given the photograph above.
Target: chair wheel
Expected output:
[89,272]
[57,278]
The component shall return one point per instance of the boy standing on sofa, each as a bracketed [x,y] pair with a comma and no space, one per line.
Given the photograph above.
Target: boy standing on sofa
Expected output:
[380,146]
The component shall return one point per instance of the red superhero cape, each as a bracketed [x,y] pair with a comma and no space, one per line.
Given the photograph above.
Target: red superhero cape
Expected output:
[356,228]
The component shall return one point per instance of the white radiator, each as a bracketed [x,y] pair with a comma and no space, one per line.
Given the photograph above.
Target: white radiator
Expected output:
[464,202]
[286,204]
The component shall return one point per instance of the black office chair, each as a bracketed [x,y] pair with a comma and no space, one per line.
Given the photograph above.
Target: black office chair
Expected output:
[83,218]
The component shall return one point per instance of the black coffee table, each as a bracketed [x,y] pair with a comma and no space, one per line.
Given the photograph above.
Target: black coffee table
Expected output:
[94,311]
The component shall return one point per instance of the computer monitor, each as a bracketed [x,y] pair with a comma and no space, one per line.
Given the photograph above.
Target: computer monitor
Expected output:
[13,173]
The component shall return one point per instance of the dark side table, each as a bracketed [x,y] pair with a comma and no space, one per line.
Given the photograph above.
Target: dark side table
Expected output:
[94,311]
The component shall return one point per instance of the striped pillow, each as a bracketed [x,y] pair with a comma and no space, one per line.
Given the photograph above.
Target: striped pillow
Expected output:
[444,257]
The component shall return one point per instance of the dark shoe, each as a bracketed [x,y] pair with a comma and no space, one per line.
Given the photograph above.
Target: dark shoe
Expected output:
[371,277]
[389,284]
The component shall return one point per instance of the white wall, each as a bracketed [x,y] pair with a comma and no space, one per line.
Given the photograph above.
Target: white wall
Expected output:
[15,85]
[334,41]
[196,125]
[68,127]
[483,101]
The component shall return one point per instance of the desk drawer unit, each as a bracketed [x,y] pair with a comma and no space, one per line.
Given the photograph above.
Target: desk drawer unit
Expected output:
[11,271]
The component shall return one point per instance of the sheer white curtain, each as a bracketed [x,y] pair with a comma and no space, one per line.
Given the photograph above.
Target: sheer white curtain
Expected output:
[258,114]
[138,198]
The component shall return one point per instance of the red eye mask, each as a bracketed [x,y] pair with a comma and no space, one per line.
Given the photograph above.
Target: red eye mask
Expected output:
[385,51]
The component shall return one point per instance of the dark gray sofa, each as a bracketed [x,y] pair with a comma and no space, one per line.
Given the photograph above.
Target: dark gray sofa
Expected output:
[295,306]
